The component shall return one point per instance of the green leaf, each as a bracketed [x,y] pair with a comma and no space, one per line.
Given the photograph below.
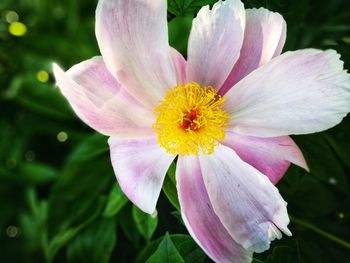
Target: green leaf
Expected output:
[66,234]
[338,139]
[95,243]
[181,7]
[166,252]
[42,98]
[76,192]
[116,201]
[175,7]
[38,173]
[312,250]
[282,254]
[179,31]
[145,223]
[188,249]
[322,161]
[313,198]
[90,148]
[185,245]
[169,187]
[34,223]
[320,232]
[128,225]
[195,5]
[86,174]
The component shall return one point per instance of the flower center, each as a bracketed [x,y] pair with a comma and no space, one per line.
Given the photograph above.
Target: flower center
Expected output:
[191,120]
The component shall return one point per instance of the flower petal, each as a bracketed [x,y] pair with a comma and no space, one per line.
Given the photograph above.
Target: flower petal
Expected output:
[198,215]
[271,156]
[247,203]
[100,101]
[298,92]
[215,41]
[140,166]
[179,66]
[264,37]
[133,39]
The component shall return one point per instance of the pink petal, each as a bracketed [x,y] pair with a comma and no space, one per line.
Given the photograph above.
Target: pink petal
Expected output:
[298,92]
[247,203]
[140,166]
[271,156]
[179,66]
[133,39]
[198,215]
[100,101]
[215,40]
[264,37]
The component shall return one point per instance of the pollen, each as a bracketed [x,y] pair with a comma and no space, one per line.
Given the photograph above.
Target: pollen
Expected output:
[191,120]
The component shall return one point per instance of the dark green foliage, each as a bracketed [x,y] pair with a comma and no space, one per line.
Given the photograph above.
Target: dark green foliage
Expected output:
[166,252]
[95,243]
[145,223]
[116,201]
[178,246]
[59,199]
[169,186]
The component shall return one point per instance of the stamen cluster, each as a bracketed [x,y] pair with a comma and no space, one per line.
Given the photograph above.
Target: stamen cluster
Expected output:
[191,120]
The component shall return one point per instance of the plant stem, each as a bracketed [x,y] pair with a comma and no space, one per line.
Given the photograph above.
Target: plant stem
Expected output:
[319,231]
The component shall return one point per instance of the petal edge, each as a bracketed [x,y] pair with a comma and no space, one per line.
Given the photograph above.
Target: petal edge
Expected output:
[198,215]
[298,92]
[247,203]
[140,166]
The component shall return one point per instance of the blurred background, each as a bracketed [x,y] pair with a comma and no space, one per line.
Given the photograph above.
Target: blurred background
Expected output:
[59,200]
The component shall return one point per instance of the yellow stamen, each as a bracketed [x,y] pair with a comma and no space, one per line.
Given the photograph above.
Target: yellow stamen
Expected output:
[191,120]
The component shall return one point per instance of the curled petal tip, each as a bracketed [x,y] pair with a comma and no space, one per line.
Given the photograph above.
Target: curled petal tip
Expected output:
[252,210]
[154,214]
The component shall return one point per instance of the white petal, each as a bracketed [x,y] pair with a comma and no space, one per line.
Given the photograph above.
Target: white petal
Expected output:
[140,166]
[200,219]
[271,156]
[179,66]
[215,41]
[247,203]
[101,102]
[298,92]
[133,39]
[264,37]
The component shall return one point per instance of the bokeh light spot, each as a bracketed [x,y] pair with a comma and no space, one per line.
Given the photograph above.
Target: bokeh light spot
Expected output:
[62,136]
[346,39]
[332,181]
[42,76]
[11,17]
[341,215]
[29,156]
[329,42]
[13,231]
[17,29]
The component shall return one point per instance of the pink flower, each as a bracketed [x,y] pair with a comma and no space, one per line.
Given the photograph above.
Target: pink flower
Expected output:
[226,113]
